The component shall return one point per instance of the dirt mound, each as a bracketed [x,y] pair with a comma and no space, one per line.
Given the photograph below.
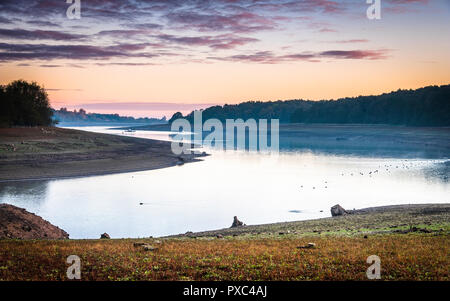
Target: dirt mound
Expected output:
[18,223]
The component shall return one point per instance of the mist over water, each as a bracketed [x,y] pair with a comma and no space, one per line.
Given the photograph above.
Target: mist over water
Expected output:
[296,184]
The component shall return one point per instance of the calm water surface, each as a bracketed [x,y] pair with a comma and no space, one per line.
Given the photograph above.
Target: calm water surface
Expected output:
[258,188]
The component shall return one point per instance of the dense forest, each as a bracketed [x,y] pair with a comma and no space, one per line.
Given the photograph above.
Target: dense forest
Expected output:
[429,106]
[24,104]
[65,116]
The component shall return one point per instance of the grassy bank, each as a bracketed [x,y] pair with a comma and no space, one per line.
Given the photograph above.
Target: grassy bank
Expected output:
[36,153]
[403,257]
[417,251]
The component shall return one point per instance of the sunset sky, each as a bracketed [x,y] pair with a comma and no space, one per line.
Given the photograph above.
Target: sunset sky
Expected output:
[153,58]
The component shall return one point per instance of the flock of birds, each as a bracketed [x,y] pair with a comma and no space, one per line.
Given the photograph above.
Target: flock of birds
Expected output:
[405,165]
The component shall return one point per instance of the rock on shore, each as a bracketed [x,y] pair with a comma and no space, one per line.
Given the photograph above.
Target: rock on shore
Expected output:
[337,210]
[17,223]
[237,223]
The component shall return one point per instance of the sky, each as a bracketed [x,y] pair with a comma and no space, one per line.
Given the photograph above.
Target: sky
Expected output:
[153,58]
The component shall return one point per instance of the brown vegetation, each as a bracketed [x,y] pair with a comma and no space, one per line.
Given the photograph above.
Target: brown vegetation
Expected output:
[403,257]
[412,242]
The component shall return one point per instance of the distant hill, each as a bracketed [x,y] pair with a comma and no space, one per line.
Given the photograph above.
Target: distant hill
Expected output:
[64,116]
[429,106]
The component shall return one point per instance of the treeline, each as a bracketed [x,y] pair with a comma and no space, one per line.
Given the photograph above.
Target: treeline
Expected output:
[429,106]
[63,115]
[281,110]
[24,104]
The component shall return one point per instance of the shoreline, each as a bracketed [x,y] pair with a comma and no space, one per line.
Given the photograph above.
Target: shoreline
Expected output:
[94,174]
[380,220]
[371,220]
[43,153]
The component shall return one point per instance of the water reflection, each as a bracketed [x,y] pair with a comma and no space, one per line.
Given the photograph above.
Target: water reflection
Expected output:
[258,188]
[29,194]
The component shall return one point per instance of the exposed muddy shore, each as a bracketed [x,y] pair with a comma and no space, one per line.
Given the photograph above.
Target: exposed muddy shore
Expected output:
[45,153]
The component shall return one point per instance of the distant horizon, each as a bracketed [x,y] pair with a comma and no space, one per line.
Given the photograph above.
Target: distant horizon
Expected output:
[136,109]
[198,53]
[161,109]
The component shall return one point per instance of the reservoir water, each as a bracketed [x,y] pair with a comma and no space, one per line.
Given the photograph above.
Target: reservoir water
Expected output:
[258,188]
